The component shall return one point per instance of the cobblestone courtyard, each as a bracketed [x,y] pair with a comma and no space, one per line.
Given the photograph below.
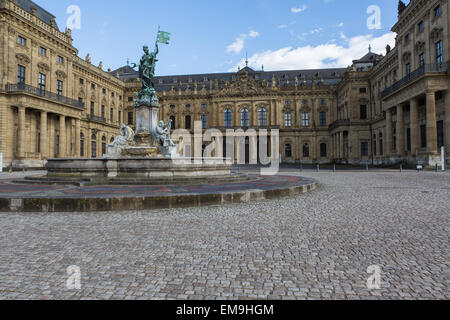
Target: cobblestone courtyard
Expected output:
[313,246]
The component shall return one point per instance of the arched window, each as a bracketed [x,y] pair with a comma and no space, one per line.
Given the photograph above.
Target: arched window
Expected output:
[103,145]
[306,150]
[188,106]
[94,146]
[228,119]
[262,117]
[288,119]
[188,122]
[288,150]
[245,118]
[81,144]
[323,150]
[172,118]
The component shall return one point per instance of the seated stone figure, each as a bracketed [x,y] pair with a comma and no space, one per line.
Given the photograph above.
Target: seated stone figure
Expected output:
[126,137]
[163,133]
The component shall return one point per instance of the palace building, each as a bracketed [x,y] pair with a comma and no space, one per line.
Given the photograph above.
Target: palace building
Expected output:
[381,110]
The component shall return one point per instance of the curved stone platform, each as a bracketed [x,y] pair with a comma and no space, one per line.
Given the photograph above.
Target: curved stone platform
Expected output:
[69,198]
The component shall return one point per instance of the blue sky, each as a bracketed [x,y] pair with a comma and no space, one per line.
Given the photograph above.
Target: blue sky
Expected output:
[213,36]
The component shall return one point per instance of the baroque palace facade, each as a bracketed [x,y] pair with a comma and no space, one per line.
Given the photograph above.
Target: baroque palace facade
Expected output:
[381,110]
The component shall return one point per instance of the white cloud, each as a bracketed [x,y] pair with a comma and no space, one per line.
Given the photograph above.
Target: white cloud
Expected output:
[253,34]
[299,9]
[328,55]
[283,26]
[340,25]
[239,43]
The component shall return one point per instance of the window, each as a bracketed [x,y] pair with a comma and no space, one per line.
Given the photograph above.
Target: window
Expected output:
[422,59]
[20,74]
[262,117]
[60,60]
[130,118]
[394,138]
[111,115]
[80,100]
[92,86]
[92,107]
[227,118]
[323,150]
[81,81]
[407,39]
[439,58]
[364,149]
[59,87]
[306,150]
[323,118]
[420,26]
[188,106]
[437,11]
[304,102]
[104,91]
[362,90]
[288,150]
[408,139]
[21,41]
[288,119]
[172,106]
[187,122]
[41,83]
[363,112]
[245,118]
[103,145]
[423,136]
[119,118]
[42,51]
[204,106]
[204,121]
[94,146]
[113,94]
[305,119]
[103,112]
[287,102]
[323,102]
[172,118]
[81,144]
[130,99]
[408,68]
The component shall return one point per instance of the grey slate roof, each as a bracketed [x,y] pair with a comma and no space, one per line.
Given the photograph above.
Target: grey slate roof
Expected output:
[368,58]
[164,83]
[42,13]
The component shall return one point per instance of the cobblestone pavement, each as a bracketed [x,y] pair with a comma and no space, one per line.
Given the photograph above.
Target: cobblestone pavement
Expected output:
[313,246]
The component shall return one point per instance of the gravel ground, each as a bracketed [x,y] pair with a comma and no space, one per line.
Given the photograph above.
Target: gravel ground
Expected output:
[313,246]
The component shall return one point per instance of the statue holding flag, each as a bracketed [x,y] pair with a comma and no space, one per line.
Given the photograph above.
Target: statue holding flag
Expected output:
[147,67]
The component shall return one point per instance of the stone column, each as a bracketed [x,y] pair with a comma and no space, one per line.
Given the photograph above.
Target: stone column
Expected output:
[400,131]
[62,136]
[77,137]
[341,144]
[21,134]
[431,123]
[414,126]
[388,133]
[44,135]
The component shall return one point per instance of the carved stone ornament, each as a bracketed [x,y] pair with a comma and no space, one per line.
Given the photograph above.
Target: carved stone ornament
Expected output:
[22,58]
[243,86]
[436,33]
[420,46]
[61,74]
[406,56]
[43,67]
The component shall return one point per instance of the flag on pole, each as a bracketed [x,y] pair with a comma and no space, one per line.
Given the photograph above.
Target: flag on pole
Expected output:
[163,37]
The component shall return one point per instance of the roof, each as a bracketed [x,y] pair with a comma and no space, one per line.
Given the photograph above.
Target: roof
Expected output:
[43,14]
[368,58]
[164,83]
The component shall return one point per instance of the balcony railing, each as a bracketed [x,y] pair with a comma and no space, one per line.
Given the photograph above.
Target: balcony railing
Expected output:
[13,88]
[422,70]
[96,118]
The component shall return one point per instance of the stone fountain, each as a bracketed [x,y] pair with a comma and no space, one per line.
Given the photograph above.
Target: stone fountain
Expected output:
[147,156]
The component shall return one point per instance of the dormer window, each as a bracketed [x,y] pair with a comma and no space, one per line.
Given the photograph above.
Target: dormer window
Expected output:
[190,80]
[175,80]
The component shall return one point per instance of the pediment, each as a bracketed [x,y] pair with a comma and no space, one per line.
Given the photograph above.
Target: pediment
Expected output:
[243,86]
